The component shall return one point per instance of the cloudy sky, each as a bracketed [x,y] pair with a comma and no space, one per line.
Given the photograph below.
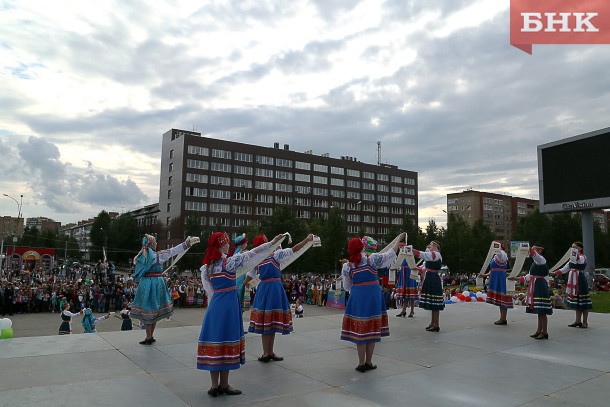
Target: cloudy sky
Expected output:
[88,88]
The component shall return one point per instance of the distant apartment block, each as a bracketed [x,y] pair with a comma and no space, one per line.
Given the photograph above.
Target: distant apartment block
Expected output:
[230,184]
[500,212]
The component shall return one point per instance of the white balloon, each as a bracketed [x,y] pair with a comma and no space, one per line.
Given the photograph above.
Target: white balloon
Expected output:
[484,296]
[10,323]
[4,323]
[455,299]
[466,293]
[479,294]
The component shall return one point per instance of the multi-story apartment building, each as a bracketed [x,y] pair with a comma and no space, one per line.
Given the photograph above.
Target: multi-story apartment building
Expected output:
[43,224]
[81,231]
[11,226]
[230,185]
[500,212]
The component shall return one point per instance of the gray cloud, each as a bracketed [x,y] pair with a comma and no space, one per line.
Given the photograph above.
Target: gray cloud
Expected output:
[64,188]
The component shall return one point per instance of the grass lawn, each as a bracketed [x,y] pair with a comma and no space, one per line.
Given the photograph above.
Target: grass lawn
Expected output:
[601,301]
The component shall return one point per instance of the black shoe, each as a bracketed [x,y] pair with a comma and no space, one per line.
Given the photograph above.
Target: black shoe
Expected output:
[436,329]
[500,322]
[534,335]
[214,392]
[264,359]
[227,391]
[584,326]
[411,315]
[542,336]
[361,368]
[153,340]
[576,325]
[402,314]
[146,342]
[276,358]
[370,366]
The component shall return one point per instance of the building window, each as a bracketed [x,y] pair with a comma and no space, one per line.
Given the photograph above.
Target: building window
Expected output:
[368,175]
[353,195]
[195,206]
[302,166]
[222,208]
[320,203]
[171,167]
[200,192]
[396,190]
[283,187]
[302,177]
[368,197]
[242,209]
[409,191]
[264,185]
[337,170]
[169,207]
[242,196]
[337,182]
[242,170]
[320,191]
[262,172]
[198,150]
[171,154]
[216,153]
[199,164]
[169,194]
[301,189]
[337,193]
[219,194]
[199,178]
[283,175]
[282,200]
[281,162]
[238,222]
[242,183]
[242,157]
[261,159]
[221,167]
[353,173]
[383,177]
[169,180]
[396,179]
[320,168]
[216,180]
[320,180]
[396,200]
[302,202]
[353,184]
[368,186]
[303,214]
[263,198]
[383,198]
[383,188]
[264,211]
[409,201]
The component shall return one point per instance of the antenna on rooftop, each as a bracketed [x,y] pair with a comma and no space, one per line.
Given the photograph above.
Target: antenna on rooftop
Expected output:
[379,153]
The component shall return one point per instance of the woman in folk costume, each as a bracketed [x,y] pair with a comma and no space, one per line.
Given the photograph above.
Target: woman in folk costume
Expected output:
[222,347]
[271,312]
[366,319]
[153,302]
[577,287]
[496,292]
[239,246]
[89,321]
[431,297]
[407,292]
[538,298]
[66,319]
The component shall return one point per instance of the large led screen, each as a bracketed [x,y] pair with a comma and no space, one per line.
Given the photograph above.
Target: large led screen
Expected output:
[574,173]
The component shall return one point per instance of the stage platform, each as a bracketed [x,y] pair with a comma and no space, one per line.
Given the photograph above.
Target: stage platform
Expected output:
[470,362]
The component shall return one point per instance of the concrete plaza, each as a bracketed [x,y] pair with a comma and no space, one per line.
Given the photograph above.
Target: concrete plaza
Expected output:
[471,362]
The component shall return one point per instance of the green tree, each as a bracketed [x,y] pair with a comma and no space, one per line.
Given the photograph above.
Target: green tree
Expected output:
[99,234]
[123,239]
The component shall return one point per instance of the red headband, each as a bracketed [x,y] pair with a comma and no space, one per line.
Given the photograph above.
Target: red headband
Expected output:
[259,240]
[217,240]
[354,247]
